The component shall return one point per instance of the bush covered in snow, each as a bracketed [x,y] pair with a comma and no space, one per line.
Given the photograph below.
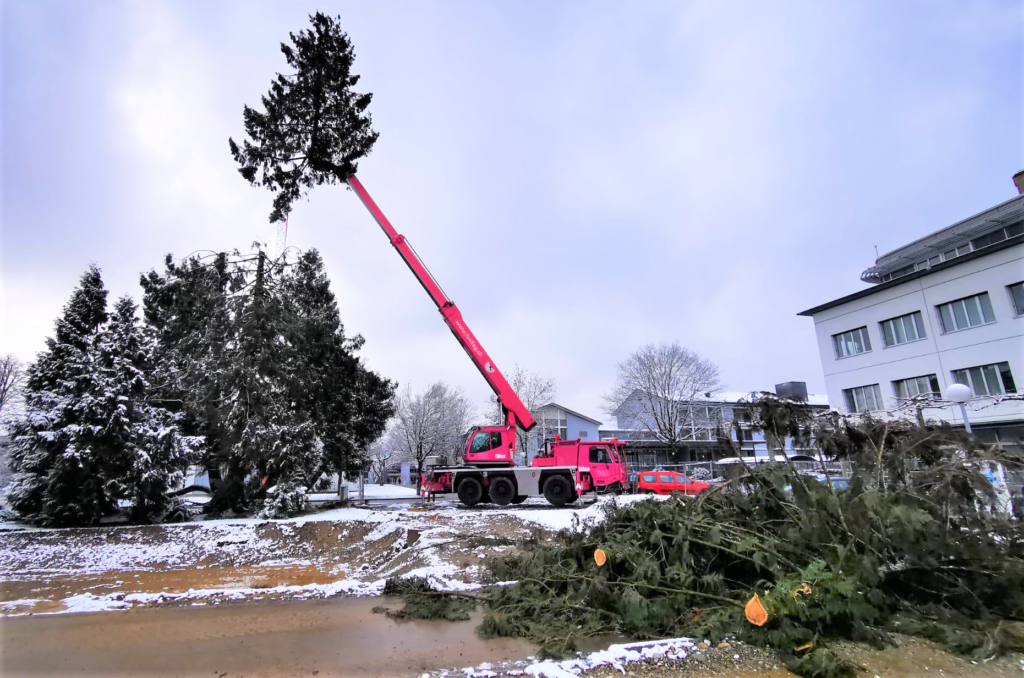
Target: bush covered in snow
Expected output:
[180,511]
[284,500]
[701,473]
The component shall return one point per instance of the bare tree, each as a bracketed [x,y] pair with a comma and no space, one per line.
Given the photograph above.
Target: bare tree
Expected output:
[12,379]
[667,391]
[535,391]
[381,454]
[433,422]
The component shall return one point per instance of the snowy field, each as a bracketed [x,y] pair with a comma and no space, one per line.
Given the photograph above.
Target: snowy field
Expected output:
[374,491]
[335,552]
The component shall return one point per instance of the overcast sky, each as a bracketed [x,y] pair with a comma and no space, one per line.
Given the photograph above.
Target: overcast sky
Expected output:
[581,177]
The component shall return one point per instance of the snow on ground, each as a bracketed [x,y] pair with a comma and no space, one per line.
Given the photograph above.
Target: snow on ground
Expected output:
[374,491]
[617,656]
[343,551]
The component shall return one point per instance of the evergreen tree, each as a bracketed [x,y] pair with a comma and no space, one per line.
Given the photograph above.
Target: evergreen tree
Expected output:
[267,439]
[348,405]
[62,469]
[314,127]
[254,357]
[149,455]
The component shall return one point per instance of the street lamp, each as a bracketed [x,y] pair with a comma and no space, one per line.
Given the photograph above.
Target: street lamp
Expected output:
[960,394]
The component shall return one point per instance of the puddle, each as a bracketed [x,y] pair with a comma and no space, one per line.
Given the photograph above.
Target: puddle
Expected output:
[335,637]
[46,595]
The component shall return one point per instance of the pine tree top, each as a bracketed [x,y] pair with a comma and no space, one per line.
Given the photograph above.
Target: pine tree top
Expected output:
[314,128]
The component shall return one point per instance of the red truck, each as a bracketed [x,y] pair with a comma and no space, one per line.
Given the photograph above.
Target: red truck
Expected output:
[566,470]
[561,473]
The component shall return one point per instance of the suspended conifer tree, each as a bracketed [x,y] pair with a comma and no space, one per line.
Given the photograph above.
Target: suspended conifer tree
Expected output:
[314,127]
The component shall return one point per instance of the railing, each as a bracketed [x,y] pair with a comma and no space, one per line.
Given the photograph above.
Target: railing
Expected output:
[718,472]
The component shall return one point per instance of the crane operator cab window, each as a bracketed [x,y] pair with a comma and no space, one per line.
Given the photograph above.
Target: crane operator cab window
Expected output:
[484,441]
[600,455]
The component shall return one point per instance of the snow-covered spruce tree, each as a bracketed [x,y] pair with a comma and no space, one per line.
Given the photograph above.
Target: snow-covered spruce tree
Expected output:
[151,454]
[347,404]
[254,357]
[267,438]
[62,464]
[187,311]
[314,127]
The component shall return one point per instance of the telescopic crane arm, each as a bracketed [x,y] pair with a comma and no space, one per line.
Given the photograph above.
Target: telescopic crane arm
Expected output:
[515,412]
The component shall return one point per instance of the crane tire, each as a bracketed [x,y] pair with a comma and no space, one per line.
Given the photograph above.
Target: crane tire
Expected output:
[470,491]
[558,490]
[503,491]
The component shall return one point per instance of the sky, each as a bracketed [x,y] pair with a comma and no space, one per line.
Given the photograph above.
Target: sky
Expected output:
[582,178]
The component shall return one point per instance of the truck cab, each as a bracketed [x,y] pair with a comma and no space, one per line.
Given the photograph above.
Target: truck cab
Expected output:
[603,461]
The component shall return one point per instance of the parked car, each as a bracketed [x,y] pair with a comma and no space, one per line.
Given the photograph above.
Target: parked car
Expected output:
[667,482]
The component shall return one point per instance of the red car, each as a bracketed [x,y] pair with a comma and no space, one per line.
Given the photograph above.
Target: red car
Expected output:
[667,482]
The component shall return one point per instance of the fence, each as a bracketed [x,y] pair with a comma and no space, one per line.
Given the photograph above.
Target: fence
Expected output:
[711,471]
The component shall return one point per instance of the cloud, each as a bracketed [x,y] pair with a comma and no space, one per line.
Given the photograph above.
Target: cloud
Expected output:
[582,178]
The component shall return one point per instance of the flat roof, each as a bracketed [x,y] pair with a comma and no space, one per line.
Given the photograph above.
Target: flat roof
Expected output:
[1009,242]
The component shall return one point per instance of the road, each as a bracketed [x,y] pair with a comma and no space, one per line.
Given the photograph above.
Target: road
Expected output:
[334,637]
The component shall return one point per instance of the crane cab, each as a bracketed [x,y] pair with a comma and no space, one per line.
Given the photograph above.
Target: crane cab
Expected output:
[490,446]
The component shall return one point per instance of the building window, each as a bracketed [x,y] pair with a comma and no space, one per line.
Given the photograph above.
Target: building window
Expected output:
[994,379]
[1017,296]
[900,272]
[911,388]
[905,328]
[967,312]
[863,398]
[851,343]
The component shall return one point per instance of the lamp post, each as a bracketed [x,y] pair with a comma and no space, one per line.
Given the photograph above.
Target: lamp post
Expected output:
[960,394]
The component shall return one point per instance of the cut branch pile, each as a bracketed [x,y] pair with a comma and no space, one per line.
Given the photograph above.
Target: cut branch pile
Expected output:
[921,553]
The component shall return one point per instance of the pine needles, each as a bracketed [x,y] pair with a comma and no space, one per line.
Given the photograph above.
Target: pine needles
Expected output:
[827,565]
[920,552]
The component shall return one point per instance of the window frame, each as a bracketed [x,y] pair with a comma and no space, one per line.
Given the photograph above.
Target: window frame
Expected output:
[965,312]
[876,395]
[933,381]
[865,340]
[1018,312]
[982,370]
[919,329]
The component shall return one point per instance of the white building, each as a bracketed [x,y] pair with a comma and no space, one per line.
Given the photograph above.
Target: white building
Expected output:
[948,308]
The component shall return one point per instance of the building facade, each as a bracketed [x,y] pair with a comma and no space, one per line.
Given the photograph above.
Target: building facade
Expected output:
[709,431]
[947,308]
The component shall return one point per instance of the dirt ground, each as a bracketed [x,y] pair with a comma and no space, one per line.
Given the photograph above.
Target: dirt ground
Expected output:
[912,658]
[343,637]
[337,637]
[270,598]
[349,551]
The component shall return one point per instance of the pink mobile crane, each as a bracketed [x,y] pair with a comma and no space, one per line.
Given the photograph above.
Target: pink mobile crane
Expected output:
[564,471]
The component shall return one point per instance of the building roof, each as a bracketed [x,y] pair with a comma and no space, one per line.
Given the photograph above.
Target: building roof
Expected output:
[1001,215]
[977,254]
[732,397]
[572,412]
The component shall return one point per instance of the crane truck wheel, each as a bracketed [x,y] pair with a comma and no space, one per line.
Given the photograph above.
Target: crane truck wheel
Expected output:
[558,490]
[503,491]
[470,491]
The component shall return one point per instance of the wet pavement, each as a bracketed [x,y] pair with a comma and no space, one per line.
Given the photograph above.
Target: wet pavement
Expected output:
[335,637]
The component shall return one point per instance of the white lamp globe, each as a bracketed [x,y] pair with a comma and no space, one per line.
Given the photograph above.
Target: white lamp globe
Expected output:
[959,393]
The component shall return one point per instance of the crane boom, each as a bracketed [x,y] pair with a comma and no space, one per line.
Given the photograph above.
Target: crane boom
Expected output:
[515,412]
